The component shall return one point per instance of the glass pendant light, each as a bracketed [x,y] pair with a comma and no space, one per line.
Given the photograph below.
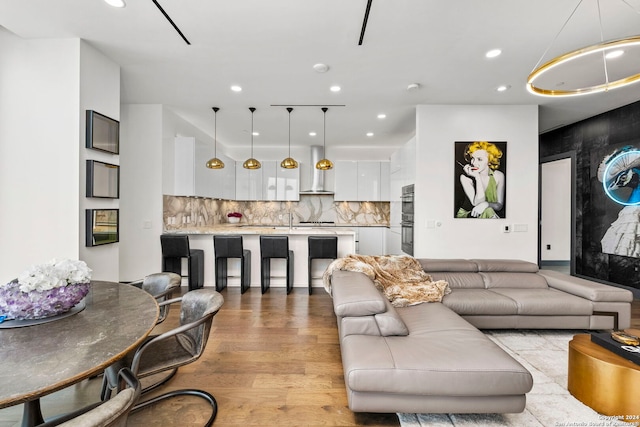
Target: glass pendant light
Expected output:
[289,162]
[324,164]
[215,163]
[251,163]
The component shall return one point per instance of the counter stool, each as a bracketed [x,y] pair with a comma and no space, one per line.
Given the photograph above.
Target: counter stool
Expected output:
[226,247]
[321,247]
[174,248]
[275,247]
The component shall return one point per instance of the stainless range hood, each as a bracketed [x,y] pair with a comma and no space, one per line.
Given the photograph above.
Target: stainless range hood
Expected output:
[317,176]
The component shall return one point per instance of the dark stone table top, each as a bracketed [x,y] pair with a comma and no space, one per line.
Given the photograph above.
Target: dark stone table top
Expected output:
[40,359]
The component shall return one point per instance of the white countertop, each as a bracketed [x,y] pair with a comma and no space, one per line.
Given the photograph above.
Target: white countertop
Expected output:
[256,230]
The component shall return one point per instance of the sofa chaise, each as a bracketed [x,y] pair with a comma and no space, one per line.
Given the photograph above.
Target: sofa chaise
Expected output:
[432,358]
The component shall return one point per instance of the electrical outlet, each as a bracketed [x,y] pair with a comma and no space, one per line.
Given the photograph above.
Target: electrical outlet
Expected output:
[548,247]
[506,228]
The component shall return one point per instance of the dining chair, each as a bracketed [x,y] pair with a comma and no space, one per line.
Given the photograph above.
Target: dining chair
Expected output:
[161,286]
[166,352]
[113,412]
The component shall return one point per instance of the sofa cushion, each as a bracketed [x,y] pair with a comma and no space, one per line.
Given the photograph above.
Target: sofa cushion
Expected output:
[361,325]
[469,302]
[433,264]
[586,288]
[459,280]
[546,302]
[390,323]
[513,280]
[441,363]
[356,295]
[505,265]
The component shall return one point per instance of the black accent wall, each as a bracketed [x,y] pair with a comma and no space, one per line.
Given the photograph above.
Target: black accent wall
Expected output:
[592,139]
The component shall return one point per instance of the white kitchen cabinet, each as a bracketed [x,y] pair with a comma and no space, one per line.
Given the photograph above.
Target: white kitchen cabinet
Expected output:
[193,178]
[365,181]
[346,180]
[370,240]
[279,183]
[287,184]
[248,183]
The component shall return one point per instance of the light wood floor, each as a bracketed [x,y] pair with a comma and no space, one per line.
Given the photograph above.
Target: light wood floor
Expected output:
[271,360]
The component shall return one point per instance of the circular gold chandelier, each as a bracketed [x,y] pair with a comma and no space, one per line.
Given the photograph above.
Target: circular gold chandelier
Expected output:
[580,53]
[289,162]
[251,163]
[324,164]
[215,162]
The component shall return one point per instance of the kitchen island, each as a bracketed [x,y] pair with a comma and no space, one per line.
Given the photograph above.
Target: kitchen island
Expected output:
[202,238]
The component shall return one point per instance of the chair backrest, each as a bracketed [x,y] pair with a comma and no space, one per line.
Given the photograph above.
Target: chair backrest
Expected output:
[227,246]
[111,413]
[161,287]
[198,305]
[274,246]
[323,247]
[174,246]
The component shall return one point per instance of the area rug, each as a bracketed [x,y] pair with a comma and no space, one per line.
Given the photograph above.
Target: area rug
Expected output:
[549,404]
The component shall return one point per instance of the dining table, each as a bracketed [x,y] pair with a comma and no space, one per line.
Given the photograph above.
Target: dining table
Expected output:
[39,359]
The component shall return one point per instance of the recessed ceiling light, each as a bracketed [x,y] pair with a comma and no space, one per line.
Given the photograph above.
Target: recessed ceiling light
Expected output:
[614,54]
[335,88]
[321,68]
[369,133]
[312,134]
[256,133]
[502,88]
[493,53]
[413,86]
[115,3]
[382,116]
[236,88]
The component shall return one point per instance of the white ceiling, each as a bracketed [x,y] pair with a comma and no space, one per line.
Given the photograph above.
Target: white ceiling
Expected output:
[269,48]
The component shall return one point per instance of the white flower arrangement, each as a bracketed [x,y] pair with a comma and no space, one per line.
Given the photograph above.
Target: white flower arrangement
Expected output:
[54,274]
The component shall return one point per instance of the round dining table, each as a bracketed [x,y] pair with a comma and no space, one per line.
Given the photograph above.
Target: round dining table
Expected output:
[40,359]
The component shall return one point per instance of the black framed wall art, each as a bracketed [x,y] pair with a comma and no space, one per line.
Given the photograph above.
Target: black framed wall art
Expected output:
[102,226]
[103,180]
[102,132]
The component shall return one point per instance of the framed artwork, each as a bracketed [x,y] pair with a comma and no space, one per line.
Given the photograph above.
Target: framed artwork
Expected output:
[480,179]
[102,226]
[102,133]
[103,180]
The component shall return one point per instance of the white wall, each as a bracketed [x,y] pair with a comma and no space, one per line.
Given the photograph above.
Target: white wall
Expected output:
[39,168]
[141,191]
[556,211]
[438,127]
[99,91]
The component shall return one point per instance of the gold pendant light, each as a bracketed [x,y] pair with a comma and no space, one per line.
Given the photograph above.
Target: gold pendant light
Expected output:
[324,164]
[215,163]
[289,162]
[251,163]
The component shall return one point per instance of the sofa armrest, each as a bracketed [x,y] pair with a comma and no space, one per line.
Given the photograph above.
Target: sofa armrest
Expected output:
[354,294]
[588,289]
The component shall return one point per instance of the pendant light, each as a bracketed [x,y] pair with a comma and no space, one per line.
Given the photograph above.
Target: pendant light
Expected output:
[324,164]
[289,162]
[215,163]
[251,163]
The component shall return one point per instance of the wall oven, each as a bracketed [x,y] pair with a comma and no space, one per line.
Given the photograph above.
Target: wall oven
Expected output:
[406,232]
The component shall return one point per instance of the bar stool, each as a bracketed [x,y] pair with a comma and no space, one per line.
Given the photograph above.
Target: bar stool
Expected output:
[231,247]
[174,248]
[275,247]
[321,247]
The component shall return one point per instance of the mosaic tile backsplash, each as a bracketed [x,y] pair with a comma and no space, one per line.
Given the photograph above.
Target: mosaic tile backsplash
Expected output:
[188,212]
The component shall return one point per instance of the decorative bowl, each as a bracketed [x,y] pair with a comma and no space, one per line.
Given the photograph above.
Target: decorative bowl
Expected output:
[19,305]
[233,220]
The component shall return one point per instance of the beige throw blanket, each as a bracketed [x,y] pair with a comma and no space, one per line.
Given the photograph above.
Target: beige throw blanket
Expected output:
[400,278]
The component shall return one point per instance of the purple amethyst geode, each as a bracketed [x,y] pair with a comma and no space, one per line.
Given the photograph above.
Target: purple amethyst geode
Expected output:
[19,305]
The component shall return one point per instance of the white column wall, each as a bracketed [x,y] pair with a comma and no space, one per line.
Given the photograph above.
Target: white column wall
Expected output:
[39,148]
[99,91]
[438,128]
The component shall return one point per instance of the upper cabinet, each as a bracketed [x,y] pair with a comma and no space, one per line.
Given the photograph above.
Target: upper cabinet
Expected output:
[191,175]
[366,181]
[248,183]
[278,183]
